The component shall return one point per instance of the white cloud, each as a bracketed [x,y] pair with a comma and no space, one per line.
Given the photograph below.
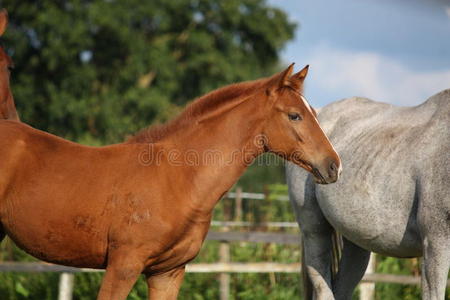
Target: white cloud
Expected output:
[447,10]
[374,76]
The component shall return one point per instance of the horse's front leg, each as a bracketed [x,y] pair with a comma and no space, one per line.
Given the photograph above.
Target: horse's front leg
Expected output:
[435,267]
[433,218]
[317,258]
[121,274]
[352,267]
[165,286]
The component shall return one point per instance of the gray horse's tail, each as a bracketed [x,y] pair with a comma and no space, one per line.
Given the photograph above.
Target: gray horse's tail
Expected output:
[337,246]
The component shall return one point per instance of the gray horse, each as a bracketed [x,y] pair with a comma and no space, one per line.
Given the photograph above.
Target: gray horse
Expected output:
[393,197]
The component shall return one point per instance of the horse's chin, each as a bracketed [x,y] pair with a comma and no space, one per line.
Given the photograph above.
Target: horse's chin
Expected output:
[303,164]
[320,180]
[318,177]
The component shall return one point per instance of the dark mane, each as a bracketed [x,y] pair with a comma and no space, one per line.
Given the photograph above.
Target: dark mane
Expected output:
[201,106]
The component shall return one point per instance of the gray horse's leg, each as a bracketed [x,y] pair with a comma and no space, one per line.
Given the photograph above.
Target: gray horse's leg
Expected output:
[316,232]
[352,267]
[435,267]
[433,218]
[318,257]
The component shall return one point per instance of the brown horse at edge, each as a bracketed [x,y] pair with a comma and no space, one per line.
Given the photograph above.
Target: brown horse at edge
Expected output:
[7,107]
[145,206]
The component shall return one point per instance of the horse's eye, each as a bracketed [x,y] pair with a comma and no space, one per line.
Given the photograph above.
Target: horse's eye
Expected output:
[294,117]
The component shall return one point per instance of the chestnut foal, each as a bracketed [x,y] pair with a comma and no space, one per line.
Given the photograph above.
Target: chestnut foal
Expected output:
[145,206]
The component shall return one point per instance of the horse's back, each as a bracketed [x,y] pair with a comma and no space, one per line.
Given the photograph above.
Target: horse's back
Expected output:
[363,127]
[25,149]
[15,134]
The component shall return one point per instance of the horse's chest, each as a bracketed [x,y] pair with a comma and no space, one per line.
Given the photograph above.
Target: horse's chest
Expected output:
[184,248]
[188,248]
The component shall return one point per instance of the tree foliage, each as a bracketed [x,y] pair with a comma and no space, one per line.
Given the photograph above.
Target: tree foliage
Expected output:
[99,69]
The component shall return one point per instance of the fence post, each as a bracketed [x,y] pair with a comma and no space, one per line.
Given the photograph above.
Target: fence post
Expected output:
[238,205]
[367,290]
[224,248]
[224,257]
[65,286]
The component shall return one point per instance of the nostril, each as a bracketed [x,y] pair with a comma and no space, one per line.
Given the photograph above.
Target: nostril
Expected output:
[333,167]
[333,170]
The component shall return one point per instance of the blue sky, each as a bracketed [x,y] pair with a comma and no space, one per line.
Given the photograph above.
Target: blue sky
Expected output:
[395,51]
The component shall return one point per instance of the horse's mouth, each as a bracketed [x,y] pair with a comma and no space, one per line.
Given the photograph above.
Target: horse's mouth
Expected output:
[304,164]
[318,177]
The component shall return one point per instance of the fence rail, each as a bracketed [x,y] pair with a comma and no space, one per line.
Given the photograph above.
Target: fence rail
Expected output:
[252,224]
[255,196]
[262,267]
[254,237]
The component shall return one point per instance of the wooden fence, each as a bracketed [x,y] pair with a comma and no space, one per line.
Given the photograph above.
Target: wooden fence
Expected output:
[218,267]
[224,266]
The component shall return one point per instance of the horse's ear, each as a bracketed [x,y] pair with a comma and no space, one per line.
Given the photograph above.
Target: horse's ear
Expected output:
[297,79]
[281,79]
[3,20]
[285,75]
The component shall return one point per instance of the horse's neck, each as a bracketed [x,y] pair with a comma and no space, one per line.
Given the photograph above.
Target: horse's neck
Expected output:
[215,152]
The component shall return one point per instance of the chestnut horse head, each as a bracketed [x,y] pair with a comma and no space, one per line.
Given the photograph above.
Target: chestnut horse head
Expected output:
[292,130]
[7,107]
[287,124]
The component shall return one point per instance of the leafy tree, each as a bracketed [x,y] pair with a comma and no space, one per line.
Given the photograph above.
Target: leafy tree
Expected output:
[95,70]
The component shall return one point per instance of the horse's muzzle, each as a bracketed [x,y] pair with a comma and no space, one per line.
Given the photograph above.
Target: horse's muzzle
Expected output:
[328,173]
